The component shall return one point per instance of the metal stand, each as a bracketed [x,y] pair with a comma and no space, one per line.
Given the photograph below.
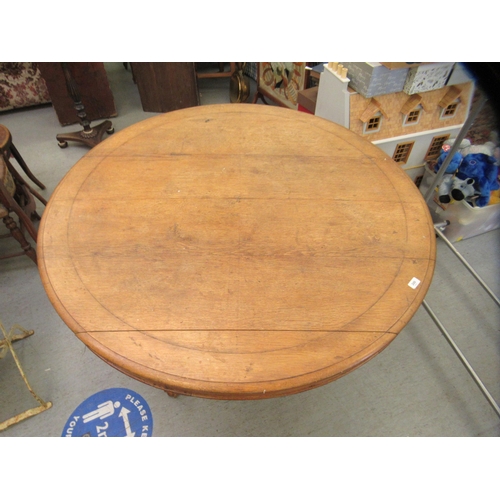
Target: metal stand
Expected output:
[5,345]
[438,229]
[90,136]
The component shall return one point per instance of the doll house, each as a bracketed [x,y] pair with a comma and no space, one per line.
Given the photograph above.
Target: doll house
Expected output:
[406,109]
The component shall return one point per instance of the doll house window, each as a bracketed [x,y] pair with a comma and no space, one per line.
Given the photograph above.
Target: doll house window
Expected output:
[413,117]
[449,102]
[373,124]
[412,110]
[435,147]
[402,152]
[450,110]
[372,117]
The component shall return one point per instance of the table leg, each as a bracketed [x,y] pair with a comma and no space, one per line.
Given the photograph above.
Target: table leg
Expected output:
[90,136]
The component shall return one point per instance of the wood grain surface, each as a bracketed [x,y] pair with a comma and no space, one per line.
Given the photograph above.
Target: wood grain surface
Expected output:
[236,251]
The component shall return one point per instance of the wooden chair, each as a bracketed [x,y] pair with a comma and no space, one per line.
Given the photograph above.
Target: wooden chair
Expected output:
[16,198]
[8,149]
[6,345]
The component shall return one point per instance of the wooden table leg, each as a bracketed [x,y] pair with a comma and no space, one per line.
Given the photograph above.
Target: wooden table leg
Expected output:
[90,136]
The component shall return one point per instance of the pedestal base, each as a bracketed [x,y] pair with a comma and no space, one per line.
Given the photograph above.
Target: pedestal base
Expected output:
[91,138]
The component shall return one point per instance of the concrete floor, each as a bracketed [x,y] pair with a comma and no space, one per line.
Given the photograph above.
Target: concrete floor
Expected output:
[416,387]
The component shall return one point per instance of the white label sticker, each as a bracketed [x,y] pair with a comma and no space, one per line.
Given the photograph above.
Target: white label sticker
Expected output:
[414,283]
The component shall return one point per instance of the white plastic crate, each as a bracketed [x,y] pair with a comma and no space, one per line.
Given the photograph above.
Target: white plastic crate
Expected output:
[465,221]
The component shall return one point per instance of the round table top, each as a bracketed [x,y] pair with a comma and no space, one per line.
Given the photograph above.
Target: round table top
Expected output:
[236,251]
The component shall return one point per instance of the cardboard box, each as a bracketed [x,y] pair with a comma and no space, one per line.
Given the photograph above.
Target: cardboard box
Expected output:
[400,65]
[371,79]
[427,77]
[307,99]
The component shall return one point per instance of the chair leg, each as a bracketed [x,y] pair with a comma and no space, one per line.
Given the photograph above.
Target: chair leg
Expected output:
[21,162]
[19,236]
[21,181]
[38,195]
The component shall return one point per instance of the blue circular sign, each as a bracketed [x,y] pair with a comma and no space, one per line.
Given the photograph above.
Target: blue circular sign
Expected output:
[111,413]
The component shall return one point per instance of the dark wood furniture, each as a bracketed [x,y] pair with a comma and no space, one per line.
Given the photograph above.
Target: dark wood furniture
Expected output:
[90,136]
[93,86]
[9,150]
[165,86]
[16,198]
[236,251]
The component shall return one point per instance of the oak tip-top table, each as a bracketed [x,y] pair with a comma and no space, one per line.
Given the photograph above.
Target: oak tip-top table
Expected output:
[236,251]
